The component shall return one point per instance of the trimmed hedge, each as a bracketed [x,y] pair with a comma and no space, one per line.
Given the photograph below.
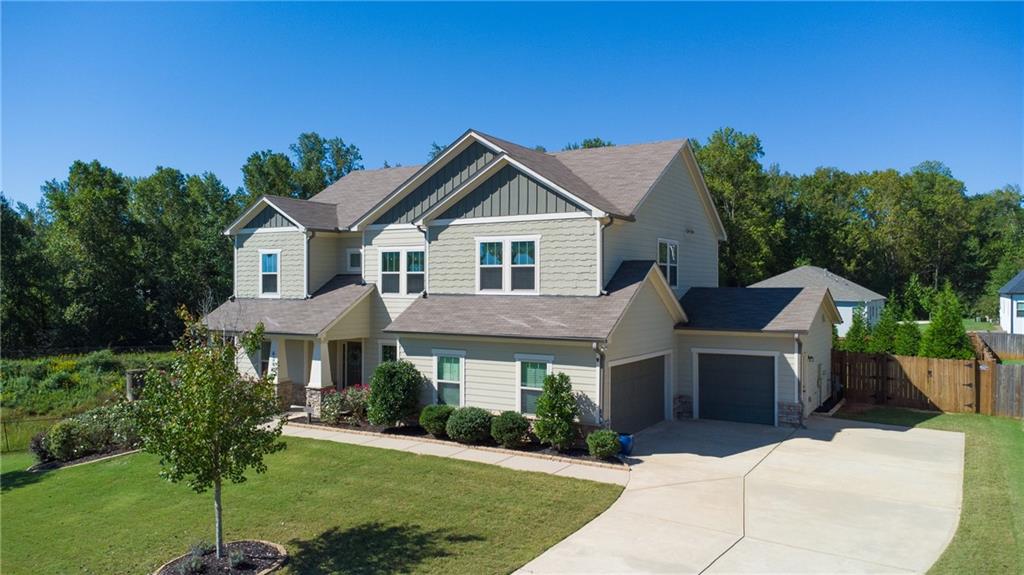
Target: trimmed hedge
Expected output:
[434,419]
[469,425]
[509,429]
[603,443]
[394,392]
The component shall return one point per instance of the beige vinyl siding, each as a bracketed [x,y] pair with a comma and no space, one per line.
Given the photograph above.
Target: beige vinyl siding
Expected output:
[646,327]
[783,344]
[817,371]
[384,309]
[356,322]
[490,368]
[327,253]
[673,210]
[374,239]
[567,254]
[291,265]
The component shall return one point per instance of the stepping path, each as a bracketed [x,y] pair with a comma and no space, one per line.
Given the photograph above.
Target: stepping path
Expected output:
[503,458]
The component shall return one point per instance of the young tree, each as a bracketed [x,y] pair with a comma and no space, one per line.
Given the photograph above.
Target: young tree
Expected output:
[858,338]
[556,412]
[883,335]
[907,340]
[205,421]
[946,336]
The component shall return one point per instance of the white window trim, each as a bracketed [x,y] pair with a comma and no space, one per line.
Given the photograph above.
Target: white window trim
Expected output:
[1018,309]
[520,358]
[348,260]
[506,263]
[402,270]
[259,274]
[436,353]
[380,349]
[657,261]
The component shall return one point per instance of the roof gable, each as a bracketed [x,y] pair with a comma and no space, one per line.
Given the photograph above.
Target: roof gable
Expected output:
[779,310]
[1014,286]
[275,211]
[269,217]
[841,288]
[503,190]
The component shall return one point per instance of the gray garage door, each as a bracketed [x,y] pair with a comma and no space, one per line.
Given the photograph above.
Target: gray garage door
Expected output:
[638,394]
[737,387]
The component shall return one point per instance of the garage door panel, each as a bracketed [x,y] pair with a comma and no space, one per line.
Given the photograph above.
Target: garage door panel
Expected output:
[737,387]
[638,394]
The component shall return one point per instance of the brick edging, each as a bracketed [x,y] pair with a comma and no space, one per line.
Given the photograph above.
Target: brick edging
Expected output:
[510,452]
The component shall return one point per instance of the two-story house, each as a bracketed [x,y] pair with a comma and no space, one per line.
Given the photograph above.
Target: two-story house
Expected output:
[494,265]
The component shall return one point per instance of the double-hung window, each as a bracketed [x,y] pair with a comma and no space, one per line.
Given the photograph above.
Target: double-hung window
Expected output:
[531,370]
[1020,309]
[449,376]
[388,351]
[508,265]
[668,260]
[403,271]
[270,273]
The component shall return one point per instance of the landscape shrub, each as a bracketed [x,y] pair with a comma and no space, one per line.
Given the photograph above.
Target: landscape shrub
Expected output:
[556,413]
[103,360]
[98,430]
[946,337]
[603,443]
[394,392]
[356,400]
[469,425]
[331,407]
[37,445]
[434,419]
[63,440]
[509,429]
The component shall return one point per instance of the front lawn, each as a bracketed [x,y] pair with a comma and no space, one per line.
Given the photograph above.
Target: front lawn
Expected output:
[990,538]
[337,508]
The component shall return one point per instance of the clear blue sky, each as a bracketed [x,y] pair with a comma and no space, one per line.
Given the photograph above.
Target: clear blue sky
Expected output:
[201,86]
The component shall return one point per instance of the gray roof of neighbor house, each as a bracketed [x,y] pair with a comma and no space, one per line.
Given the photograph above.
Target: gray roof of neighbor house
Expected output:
[783,310]
[1014,286]
[586,318]
[841,288]
[291,316]
[614,179]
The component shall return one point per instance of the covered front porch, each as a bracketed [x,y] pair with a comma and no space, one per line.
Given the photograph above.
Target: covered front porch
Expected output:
[302,368]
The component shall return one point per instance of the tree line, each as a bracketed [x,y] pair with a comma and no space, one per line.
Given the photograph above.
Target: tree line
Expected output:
[104,259]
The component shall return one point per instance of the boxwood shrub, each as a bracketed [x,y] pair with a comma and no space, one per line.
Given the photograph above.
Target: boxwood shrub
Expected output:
[469,425]
[509,429]
[434,419]
[603,443]
[394,392]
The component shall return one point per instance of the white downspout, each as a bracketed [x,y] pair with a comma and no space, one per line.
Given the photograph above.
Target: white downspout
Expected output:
[599,361]
[799,375]
[305,257]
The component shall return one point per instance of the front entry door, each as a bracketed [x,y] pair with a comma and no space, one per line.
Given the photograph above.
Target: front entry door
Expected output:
[354,363]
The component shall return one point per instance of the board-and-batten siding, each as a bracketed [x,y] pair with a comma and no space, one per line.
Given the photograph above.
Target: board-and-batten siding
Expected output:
[567,254]
[673,209]
[509,193]
[783,344]
[291,265]
[327,255]
[268,218]
[448,177]
[490,378]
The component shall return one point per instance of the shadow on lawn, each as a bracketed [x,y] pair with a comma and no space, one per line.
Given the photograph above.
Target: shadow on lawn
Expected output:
[373,548]
[18,478]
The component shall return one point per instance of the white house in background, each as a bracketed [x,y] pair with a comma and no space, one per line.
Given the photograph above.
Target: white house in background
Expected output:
[1011,305]
[847,294]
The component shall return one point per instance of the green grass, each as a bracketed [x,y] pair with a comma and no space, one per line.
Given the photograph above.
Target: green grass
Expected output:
[990,538]
[969,325]
[15,433]
[1013,361]
[337,508]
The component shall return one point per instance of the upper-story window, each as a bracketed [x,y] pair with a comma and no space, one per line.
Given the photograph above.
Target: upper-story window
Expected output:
[354,260]
[668,260]
[403,271]
[270,274]
[508,265]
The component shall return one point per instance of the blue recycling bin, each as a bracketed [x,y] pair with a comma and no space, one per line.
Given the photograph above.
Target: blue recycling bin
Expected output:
[626,441]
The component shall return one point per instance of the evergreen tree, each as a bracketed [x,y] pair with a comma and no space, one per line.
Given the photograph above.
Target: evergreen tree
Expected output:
[946,336]
[907,340]
[859,336]
[883,335]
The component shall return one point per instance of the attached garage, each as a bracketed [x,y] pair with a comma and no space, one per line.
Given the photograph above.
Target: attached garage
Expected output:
[736,387]
[638,393]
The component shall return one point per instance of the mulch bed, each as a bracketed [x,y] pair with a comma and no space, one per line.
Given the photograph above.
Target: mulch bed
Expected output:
[414,430]
[51,465]
[259,556]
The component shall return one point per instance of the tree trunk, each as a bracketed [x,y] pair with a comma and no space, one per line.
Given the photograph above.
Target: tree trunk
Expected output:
[219,525]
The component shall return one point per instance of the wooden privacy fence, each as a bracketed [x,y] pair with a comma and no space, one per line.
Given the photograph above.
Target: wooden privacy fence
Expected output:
[1005,345]
[951,385]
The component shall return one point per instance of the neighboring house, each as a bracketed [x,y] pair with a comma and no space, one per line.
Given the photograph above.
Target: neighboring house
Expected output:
[848,295]
[494,265]
[1011,305]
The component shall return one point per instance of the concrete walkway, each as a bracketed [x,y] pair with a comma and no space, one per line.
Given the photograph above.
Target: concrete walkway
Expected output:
[469,453]
[717,497]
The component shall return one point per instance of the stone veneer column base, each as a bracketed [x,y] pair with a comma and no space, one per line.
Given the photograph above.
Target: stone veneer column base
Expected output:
[682,407]
[789,413]
[313,397]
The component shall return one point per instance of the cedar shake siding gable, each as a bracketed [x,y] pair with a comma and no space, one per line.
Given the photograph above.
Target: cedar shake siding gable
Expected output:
[509,193]
[438,186]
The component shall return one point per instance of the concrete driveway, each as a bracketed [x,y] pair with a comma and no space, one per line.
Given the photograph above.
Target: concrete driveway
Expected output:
[716,497]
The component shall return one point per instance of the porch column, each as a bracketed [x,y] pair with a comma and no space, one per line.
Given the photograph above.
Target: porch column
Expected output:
[319,376]
[278,362]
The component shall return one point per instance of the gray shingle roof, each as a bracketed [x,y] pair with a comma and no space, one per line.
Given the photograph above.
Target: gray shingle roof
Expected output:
[588,318]
[1014,286]
[360,190]
[290,316]
[311,215]
[841,288]
[757,310]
